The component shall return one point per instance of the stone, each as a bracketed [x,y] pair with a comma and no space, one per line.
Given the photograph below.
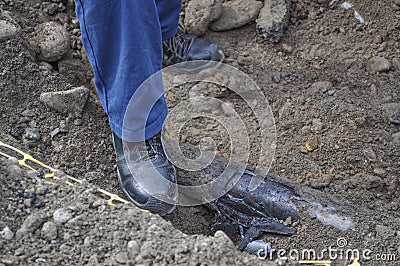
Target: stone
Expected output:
[317,125]
[121,257]
[273,19]
[31,223]
[378,64]
[396,138]
[236,14]
[287,48]
[69,101]
[62,215]
[8,27]
[395,117]
[43,65]
[51,41]
[319,183]
[276,77]
[370,154]
[32,134]
[396,64]
[200,13]
[49,231]
[14,171]
[6,233]
[366,181]
[133,249]
[323,86]
[379,171]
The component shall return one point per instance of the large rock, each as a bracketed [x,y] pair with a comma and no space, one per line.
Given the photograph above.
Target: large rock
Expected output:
[378,64]
[8,27]
[70,101]
[200,13]
[236,14]
[49,231]
[273,19]
[31,223]
[51,41]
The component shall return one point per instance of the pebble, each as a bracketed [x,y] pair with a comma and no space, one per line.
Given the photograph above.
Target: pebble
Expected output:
[273,19]
[366,181]
[312,143]
[52,40]
[45,66]
[49,231]
[276,77]
[32,134]
[98,203]
[28,203]
[317,125]
[319,183]
[396,64]
[19,251]
[236,14]
[396,138]
[8,27]
[133,249]
[286,48]
[122,257]
[31,223]
[331,92]
[200,13]
[378,64]
[14,171]
[7,234]
[62,215]
[54,132]
[70,101]
[303,149]
[370,154]
[78,122]
[395,117]
[75,23]
[379,171]
[322,86]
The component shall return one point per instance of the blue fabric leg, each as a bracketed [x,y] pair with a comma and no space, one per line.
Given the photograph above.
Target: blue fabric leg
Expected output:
[123,42]
[169,11]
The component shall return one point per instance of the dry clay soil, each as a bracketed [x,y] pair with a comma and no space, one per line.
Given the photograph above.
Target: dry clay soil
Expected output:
[320,89]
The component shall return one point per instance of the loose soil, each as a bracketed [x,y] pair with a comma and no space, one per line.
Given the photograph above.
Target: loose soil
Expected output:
[320,91]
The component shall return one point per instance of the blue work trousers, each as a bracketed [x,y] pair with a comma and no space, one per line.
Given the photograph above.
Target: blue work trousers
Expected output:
[123,42]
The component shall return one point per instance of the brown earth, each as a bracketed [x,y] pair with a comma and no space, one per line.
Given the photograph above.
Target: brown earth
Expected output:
[320,88]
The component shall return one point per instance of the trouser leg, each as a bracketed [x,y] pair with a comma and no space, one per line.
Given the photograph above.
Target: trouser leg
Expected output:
[168,12]
[123,42]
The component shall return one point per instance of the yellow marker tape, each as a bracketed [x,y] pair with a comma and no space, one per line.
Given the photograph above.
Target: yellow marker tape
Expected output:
[112,196]
[52,174]
[355,263]
[316,262]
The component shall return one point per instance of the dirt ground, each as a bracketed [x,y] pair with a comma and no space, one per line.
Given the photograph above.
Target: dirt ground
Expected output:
[321,89]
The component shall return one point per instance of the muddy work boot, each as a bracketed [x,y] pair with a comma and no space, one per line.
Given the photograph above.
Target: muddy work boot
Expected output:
[146,176]
[186,47]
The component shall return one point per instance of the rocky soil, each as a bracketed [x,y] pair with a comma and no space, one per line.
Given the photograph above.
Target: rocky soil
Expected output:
[332,83]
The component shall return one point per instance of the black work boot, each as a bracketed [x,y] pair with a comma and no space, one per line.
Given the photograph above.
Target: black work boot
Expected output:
[145,164]
[186,47]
